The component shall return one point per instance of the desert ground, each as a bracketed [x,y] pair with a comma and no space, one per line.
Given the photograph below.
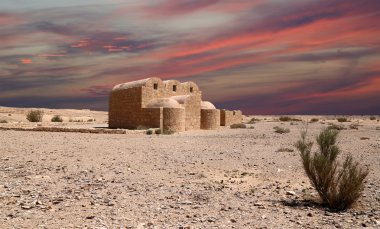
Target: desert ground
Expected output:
[226,178]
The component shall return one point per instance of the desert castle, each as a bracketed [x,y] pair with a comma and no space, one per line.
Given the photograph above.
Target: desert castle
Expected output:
[169,105]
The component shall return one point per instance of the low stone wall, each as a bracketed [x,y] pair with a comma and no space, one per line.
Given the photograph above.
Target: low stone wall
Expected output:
[228,118]
[62,129]
[210,119]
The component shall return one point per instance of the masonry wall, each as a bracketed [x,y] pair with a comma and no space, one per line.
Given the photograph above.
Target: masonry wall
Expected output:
[210,119]
[173,119]
[193,112]
[125,108]
[228,118]
[151,118]
[130,106]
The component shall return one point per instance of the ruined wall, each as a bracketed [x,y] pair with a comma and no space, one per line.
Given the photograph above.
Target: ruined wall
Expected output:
[210,119]
[228,118]
[125,108]
[173,119]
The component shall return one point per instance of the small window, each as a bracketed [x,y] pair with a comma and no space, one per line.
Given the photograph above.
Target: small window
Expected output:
[174,87]
[155,86]
[191,89]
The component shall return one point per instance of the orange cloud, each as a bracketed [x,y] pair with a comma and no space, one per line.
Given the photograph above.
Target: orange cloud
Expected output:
[25,61]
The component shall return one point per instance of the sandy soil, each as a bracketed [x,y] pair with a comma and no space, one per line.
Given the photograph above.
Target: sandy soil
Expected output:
[228,178]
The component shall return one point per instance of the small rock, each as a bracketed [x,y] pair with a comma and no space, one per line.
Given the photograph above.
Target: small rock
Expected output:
[309,214]
[26,207]
[90,217]
[290,193]
[258,204]
[233,220]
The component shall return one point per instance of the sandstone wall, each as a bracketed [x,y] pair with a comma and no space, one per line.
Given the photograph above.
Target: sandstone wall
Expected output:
[210,119]
[151,118]
[173,119]
[192,107]
[228,118]
[125,108]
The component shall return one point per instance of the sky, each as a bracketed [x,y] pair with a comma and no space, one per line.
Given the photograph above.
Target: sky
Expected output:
[259,56]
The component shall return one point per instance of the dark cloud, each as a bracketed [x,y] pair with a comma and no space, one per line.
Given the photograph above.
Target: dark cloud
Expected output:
[327,56]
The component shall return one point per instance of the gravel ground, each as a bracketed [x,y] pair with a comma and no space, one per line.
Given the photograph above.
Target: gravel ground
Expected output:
[229,178]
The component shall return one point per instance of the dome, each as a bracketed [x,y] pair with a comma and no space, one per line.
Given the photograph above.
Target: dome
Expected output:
[207,105]
[164,102]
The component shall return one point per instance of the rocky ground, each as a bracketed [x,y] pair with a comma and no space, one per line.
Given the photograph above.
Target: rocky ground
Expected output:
[228,178]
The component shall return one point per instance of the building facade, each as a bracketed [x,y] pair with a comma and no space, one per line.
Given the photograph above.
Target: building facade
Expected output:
[169,105]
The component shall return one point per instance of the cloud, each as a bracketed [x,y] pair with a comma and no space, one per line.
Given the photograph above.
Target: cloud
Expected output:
[260,56]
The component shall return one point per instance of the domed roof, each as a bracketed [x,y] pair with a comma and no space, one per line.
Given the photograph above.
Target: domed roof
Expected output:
[207,105]
[164,102]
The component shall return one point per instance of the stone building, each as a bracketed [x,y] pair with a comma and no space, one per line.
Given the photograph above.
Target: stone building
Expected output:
[169,105]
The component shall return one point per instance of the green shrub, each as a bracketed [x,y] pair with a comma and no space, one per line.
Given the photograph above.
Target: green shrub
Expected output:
[238,126]
[149,132]
[281,130]
[372,118]
[157,131]
[35,116]
[338,188]
[342,119]
[57,118]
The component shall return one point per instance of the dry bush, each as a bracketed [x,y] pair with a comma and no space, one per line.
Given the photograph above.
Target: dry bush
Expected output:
[3,121]
[281,130]
[336,127]
[342,119]
[35,116]
[253,120]
[354,126]
[372,118]
[167,132]
[57,118]
[285,119]
[238,126]
[314,120]
[338,187]
[284,149]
